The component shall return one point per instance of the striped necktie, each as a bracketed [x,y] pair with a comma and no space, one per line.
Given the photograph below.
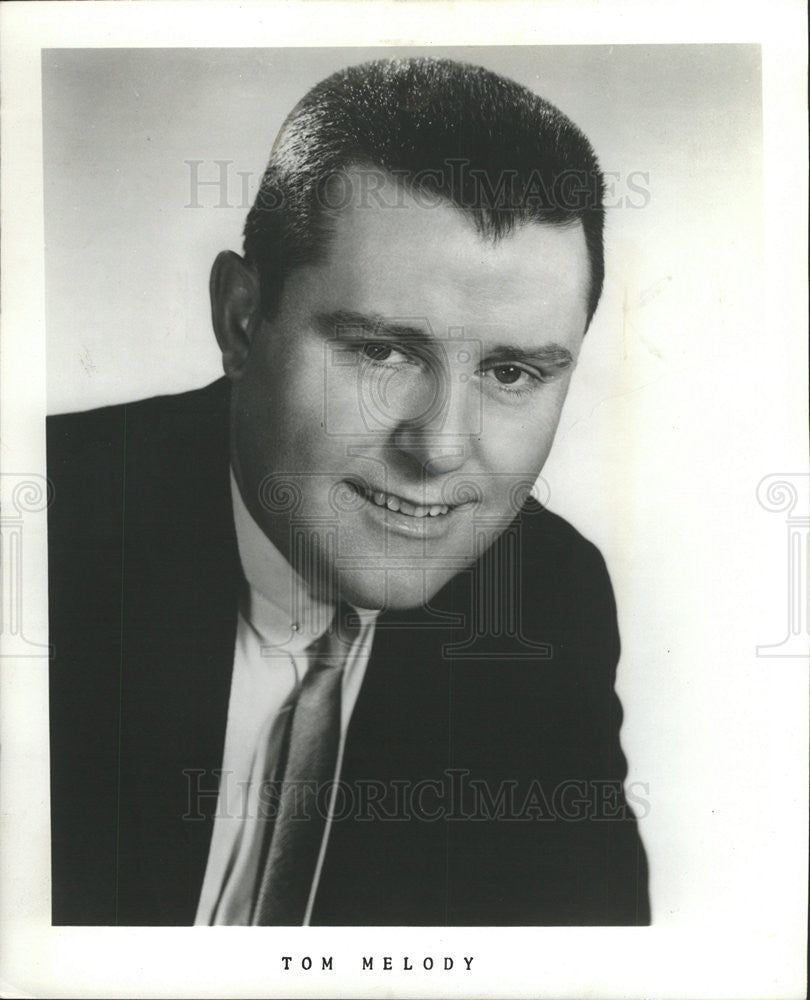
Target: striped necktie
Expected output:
[309,758]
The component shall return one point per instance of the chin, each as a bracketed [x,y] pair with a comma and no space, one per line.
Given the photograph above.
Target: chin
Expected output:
[392,590]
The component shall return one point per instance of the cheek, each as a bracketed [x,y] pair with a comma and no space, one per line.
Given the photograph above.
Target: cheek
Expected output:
[516,475]
[287,400]
[368,404]
[518,442]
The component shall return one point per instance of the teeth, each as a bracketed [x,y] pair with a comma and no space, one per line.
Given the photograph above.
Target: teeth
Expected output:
[401,506]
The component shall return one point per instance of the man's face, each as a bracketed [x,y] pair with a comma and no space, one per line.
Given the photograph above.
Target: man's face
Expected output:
[391,417]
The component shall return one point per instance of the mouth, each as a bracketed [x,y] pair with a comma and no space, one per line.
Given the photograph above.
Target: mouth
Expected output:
[399,504]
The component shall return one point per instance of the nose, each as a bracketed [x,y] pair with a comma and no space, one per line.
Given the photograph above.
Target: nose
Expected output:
[436,453]
[441,437]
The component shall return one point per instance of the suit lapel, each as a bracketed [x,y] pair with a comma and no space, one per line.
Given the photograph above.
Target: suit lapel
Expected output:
[181,576]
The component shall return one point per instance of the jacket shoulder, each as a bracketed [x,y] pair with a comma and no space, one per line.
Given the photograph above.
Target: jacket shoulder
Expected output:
[84,432]
[550,540]
[144,446]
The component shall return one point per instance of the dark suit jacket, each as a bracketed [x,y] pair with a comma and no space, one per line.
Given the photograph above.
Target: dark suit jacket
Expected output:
[482,767]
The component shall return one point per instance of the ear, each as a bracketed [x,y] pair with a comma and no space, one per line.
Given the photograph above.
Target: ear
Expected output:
[235,310]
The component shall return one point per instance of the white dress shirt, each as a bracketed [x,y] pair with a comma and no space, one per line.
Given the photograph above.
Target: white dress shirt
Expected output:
[278,620]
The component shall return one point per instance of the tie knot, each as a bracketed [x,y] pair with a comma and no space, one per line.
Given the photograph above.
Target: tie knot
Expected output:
[331,649]
[346,623]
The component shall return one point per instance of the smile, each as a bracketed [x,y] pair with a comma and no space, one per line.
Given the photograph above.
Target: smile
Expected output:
[400,505]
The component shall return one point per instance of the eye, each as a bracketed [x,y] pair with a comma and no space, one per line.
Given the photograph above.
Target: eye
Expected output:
[376,352]
[511,380]
[507,374]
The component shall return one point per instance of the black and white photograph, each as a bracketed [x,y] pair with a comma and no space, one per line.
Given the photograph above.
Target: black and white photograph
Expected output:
[406,520]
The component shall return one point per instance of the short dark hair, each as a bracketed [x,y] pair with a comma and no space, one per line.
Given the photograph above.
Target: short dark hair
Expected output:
[452,130]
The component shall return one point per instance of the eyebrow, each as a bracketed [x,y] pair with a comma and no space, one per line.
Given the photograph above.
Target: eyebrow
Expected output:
[553,355]
[373,325]
[332,323]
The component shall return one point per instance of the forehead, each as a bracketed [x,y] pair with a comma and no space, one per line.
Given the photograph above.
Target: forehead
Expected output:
[400,254]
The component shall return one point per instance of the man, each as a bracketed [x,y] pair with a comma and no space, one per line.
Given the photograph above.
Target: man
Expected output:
[319,657]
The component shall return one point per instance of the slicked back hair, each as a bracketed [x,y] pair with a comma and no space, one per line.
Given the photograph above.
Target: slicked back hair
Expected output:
[441,128]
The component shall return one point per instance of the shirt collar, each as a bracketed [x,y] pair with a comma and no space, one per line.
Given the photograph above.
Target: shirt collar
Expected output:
[277,602]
